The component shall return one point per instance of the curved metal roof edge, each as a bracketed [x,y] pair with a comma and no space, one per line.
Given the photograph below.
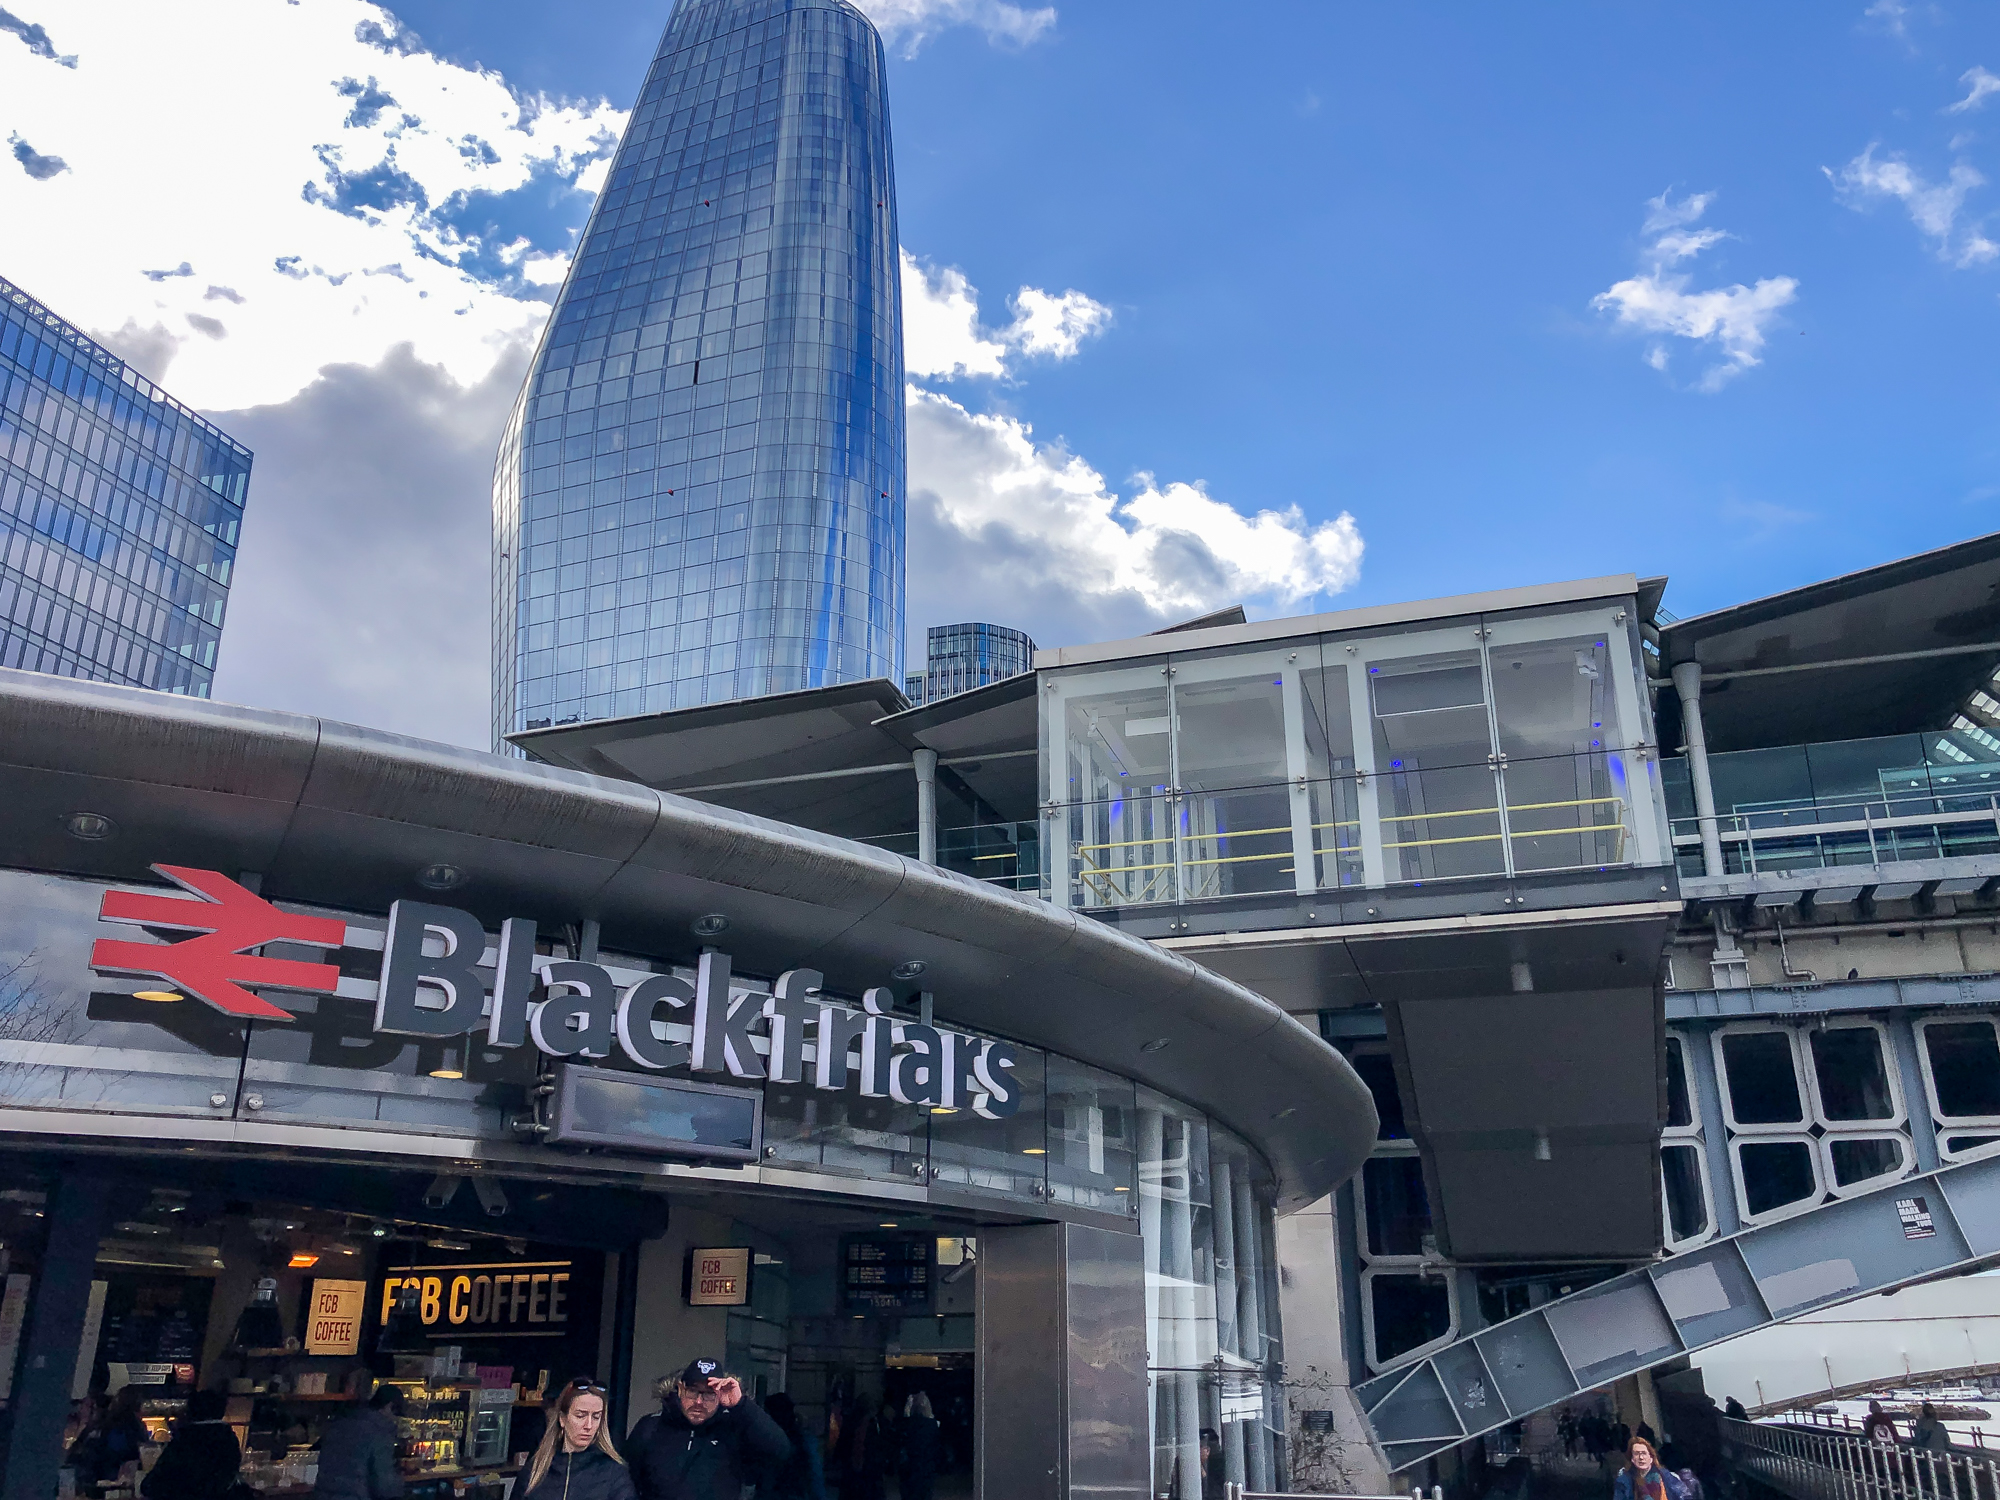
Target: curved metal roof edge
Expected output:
[1690,630]
[1303,1107]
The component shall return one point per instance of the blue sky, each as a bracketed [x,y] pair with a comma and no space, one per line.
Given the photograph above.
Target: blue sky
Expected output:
[1351,251]
[1308,305]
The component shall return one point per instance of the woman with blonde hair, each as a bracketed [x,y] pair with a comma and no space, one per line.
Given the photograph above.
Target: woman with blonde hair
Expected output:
[576,1459]
[1643,1477]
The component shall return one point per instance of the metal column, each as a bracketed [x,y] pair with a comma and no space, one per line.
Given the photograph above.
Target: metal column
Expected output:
[1687,683]
[77,1211]
[926,764]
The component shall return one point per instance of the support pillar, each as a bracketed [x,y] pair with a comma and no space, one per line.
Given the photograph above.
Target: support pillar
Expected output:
[926,764]
[1687,683]
[77,1210]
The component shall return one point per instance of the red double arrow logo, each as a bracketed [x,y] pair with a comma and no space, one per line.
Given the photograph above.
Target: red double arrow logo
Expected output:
[216,965]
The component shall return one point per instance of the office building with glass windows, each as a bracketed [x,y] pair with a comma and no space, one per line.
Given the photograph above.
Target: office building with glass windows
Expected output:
[699,496]
[119,513]
[962,657]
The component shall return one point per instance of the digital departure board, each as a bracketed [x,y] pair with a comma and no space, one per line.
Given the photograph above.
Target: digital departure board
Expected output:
[887,1273]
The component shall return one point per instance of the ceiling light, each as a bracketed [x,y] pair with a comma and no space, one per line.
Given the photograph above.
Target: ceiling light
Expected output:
[912,969]
[1034,1151]
[943,1109]
[714,924]
[162,997]
[1121,1190]
[440,877]
[89,826]
[301,1259]
[886,1226]
[1156,1044]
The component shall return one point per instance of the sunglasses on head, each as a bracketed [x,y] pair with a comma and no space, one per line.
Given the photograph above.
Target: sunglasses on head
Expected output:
[586,1383]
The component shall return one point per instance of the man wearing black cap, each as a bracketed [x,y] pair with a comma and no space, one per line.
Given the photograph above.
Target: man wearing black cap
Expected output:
[705,1442]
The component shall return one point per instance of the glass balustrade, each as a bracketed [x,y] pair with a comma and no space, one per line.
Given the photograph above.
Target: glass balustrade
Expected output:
[1850,802]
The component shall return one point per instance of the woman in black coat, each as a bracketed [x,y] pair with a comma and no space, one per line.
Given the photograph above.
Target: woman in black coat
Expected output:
[576,1460]
[202,1460]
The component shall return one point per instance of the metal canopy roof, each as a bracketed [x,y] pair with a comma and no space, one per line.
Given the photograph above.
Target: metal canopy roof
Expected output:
[834,759]
[1887,650]
[329,814]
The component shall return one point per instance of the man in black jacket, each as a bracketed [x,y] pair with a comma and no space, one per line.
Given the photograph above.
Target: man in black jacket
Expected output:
[705,1442]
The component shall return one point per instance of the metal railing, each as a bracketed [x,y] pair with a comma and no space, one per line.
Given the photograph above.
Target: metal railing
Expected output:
[1813,1464]
[1861,832]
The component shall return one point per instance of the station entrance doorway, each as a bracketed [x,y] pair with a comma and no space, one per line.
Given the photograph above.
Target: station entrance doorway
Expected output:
[865,1320]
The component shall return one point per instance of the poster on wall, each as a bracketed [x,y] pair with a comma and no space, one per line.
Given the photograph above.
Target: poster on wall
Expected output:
[334,1324]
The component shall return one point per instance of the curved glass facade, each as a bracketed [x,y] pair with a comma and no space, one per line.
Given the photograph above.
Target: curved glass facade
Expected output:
[700,493]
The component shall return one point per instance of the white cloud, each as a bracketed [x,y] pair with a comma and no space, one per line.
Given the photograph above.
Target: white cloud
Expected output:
[1055,326]
[914,22]
[1934,207]
[1893,16]
[944,339]
[941,333]
[1658,301]
[1979,83]
[338,179]
[1031,534]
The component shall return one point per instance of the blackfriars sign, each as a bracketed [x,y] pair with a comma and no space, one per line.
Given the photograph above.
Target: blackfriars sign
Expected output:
[564,1007]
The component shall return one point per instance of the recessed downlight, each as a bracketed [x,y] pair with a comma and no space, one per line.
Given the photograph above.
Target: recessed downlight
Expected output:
[911,969]
[714,924]
[440,877]
[91,827]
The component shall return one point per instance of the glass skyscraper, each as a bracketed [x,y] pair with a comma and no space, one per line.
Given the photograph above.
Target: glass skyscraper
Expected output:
[119,513]
[959,658]
[700,493]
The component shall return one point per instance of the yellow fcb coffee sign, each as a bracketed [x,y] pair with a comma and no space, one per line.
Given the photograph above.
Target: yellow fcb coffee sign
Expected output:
[516,1297]
[333,1325]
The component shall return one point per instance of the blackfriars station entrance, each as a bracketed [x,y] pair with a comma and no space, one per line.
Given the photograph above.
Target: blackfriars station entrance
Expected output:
[863,1130]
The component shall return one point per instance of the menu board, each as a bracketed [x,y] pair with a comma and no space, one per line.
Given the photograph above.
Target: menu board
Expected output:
[887,1273]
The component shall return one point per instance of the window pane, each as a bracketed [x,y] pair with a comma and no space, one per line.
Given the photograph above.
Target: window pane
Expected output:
[1763,1086]
[1852,1074]
[1090,1137]
[1680,1110]
[997,1156]
[1857,1161]
[1379,1073]
[1554,698]
[1687,1205]
[1409,1311]
[1775,1173]
[1965,1064]
[1399,1213]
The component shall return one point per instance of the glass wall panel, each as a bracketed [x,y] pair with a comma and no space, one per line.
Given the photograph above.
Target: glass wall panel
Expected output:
[1091,1135]
[843,1132]
[1239,842]
[1246,1330]
[1437,798]
[996,1156]
[1176,1216]
[1118,853]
